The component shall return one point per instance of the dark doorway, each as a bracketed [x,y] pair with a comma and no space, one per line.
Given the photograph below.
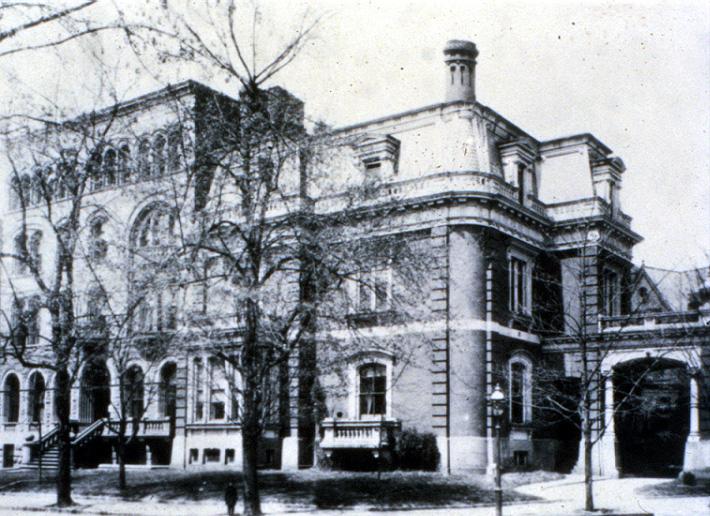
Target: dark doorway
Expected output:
[8,455]
[95,392]
[652,416]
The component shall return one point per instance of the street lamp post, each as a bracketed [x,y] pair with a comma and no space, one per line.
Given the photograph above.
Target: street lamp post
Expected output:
[497,400]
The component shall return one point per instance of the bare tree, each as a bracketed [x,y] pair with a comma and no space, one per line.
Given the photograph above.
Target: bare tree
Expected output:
[52,166]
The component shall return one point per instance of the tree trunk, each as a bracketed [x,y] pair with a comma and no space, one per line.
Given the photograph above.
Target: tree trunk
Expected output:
[65,453]
[588,479]
[121,452]
[250,455]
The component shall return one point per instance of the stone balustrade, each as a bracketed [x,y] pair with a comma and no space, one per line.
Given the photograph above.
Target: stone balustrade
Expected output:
[358,434]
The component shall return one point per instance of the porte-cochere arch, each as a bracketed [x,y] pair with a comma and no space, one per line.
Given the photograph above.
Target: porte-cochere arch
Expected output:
[651,416]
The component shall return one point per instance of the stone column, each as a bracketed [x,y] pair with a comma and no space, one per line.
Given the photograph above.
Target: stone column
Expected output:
[607,446]
[694,434]
[696,455]
[148,455]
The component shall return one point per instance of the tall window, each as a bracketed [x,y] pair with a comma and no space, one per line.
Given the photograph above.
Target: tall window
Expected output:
[373,389]
[156,228]
[174,150]
[168,390]
[109,167]
[98,246]
[35,250]
[153,237]
[21,261]
[26,321]
[520,389]
[611,301]
[518,279]
[217,391]
[144,158]
[26,189]
[36,397]
[11,399]
[37,189]
[159,156]
[198,382]
[94,172]
[133,392]
[124,163]
[374,291]
[15,193]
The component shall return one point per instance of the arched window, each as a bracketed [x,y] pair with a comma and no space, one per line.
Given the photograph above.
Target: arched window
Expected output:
[520,389]
[21,260]
[36,397]
[35,250]
[153,239]
[98,246]
[144,158]
[174,150]
[93,171]
[372,389]
[168,390]
[95,392]
[159,156]
[37,189]
[11,399]
[124,163]
[26,188]
[109,167]
[155,228]
[133,392]
[15,193]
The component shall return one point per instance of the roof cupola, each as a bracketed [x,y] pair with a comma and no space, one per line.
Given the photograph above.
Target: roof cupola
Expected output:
[460,58]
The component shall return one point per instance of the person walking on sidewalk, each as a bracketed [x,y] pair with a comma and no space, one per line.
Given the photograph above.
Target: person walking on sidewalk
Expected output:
[231,495]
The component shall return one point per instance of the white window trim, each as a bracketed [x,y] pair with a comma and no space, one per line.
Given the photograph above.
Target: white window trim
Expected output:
[520,358]
[354,291]
[616,301]
[364,358]
[514,253]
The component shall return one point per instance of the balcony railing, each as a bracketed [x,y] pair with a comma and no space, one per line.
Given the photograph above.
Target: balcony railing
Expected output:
[653,320]
[162,427]
[358,434]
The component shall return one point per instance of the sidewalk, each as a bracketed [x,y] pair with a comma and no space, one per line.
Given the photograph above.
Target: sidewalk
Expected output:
[561,497]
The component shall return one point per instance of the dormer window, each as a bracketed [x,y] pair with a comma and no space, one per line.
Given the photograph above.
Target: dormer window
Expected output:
[372,164]
[379,154]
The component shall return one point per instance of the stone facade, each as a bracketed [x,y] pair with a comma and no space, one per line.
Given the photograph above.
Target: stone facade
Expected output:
[529,264]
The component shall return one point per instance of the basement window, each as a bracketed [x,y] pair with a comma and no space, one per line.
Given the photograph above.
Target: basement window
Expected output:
[520,458]
[210,455]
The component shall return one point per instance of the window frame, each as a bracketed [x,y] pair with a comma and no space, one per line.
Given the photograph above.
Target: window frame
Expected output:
[527,412]
[514,256]
[371,357]
[611,306]
[368,282]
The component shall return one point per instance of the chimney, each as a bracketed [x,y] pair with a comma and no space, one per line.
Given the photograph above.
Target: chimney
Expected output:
[460,58]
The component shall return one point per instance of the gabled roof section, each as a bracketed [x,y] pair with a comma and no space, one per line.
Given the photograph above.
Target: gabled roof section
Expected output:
[679,287]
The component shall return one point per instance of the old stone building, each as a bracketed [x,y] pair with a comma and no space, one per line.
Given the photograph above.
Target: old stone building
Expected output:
[529,264]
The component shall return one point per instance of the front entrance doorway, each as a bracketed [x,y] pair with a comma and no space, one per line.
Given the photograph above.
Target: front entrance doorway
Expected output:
[95,392]
[652,416]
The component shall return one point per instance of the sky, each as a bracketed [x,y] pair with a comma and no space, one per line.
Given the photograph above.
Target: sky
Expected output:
[634,74]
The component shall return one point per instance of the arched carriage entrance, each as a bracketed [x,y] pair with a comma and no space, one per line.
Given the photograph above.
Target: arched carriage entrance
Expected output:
[651,420]
[95,392]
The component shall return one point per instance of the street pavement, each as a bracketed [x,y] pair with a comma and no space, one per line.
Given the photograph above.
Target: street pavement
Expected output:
[561,497]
